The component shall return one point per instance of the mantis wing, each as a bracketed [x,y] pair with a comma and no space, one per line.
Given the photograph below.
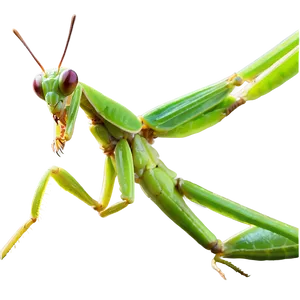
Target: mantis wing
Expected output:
[112,111]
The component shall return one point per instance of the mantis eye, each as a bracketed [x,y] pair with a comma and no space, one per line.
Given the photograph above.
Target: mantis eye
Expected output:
[68,80]
[37,86]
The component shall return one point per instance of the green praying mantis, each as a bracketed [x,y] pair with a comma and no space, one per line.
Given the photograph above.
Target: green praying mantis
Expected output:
[127,140]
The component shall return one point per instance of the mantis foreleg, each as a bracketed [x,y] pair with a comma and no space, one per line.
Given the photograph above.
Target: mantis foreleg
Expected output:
[65,120]
[72,111]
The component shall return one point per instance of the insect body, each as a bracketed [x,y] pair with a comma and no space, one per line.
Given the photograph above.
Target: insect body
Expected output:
[127,142]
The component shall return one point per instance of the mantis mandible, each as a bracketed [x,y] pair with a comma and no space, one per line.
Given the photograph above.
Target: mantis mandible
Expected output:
[127,140]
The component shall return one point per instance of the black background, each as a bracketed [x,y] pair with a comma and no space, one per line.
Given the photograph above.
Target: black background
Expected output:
[259,163]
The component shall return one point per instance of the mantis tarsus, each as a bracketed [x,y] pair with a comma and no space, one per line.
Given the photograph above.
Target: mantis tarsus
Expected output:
[127,142]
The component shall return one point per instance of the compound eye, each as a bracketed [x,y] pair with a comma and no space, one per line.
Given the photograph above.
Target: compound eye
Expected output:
[37,86]
[68,80]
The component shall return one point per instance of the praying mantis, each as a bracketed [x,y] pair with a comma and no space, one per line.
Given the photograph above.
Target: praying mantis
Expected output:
[127,141]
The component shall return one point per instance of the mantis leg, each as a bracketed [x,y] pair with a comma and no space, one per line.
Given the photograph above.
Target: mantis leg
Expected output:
[204,108]
[68,183]
[268,59]
[205,196]
[73,113]
[235,210]
[118,162]
[276,75]
[108,182]
[66,125]
[125,172]
[270,239]
[124,168]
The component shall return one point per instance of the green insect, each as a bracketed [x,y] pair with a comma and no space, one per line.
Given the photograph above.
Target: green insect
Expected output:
[127,141]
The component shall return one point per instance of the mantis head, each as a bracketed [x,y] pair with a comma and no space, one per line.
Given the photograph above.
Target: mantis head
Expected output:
[53,85]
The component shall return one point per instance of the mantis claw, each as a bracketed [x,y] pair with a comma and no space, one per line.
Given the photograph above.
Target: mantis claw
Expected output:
[58,145]
[59,135]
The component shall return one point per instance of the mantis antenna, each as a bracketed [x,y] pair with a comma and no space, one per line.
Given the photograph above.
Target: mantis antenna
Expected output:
[16,33]
[68,40]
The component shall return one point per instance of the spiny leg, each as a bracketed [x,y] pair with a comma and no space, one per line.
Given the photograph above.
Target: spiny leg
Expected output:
[58,141]
[217,258]
[68,183]
[65,124]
